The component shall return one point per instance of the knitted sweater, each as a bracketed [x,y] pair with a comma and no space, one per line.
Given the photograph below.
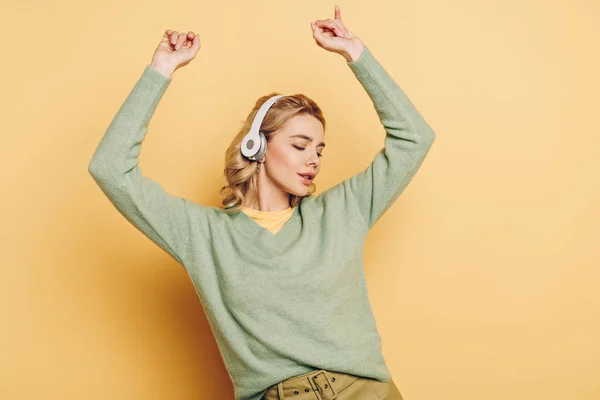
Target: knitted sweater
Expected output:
[283,304]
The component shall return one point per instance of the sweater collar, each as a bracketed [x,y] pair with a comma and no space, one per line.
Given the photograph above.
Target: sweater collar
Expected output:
[289,232]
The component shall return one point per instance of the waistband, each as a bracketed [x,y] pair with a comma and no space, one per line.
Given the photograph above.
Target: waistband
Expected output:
[326,383]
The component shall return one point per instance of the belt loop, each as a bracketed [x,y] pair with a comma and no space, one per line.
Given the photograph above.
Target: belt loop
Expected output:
[280,390]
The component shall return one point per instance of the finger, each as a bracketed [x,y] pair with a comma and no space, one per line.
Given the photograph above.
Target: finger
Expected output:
[190,40]
[335,26]
[314,29]
[338,12]
[180,40]
[187,40]
[346,31]
[317,33]
[196,43]
[341,28]
[330,25]
[174,36]
[338,17]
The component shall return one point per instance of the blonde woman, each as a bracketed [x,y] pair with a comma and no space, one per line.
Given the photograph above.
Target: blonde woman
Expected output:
[278,270]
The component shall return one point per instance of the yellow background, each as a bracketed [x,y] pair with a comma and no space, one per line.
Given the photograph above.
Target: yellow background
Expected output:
[483,276]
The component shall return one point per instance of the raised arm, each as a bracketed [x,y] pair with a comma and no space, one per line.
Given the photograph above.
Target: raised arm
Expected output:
[407,141]
[408,136]
[162,217]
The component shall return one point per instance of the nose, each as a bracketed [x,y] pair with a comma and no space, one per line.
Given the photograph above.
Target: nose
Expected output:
[314,161]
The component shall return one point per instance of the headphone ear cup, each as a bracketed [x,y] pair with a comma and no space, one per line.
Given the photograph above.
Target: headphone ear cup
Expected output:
[262,148]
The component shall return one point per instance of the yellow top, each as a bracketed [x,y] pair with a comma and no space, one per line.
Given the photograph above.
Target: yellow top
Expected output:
[271,220]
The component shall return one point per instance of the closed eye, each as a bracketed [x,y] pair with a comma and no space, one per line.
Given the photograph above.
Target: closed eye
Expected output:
[302,148]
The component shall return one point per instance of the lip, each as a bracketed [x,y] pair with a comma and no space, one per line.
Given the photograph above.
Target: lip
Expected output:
[306,181]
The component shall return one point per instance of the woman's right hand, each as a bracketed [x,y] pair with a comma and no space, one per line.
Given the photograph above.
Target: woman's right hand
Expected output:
[174,51]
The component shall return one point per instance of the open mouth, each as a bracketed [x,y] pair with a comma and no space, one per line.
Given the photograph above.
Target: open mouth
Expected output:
[306,179]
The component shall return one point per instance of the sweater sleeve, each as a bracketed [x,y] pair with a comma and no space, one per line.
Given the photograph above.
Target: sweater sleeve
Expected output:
[162,217]
[407,141]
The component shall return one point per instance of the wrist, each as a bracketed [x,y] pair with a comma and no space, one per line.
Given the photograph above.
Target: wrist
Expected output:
[354,52]
[164,69]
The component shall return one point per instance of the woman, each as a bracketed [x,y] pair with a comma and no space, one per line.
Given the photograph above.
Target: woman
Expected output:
[278,271]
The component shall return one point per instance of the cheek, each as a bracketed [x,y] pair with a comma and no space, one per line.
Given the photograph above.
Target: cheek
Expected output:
[284,159]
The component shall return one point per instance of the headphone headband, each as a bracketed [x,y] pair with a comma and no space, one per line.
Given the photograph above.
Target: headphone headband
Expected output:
[254,144]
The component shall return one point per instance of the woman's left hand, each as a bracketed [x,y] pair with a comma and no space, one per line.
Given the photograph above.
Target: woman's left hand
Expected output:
[332,35]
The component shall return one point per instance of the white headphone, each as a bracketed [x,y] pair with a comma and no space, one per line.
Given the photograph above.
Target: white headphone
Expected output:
[254,144]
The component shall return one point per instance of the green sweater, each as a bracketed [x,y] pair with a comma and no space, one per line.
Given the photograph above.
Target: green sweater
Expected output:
[284,304]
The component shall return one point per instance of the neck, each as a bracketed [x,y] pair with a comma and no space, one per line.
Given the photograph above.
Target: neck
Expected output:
[267,198]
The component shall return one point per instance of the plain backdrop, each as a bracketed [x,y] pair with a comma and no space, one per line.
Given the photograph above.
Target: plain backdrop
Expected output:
[483,276]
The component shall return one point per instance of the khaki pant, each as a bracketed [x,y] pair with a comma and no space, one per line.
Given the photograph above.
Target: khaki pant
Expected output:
[328,385]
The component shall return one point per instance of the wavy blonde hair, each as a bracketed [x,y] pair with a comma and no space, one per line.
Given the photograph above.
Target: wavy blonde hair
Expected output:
[239,171]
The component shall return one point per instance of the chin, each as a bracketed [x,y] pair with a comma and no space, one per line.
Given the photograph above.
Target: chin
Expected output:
[302,192]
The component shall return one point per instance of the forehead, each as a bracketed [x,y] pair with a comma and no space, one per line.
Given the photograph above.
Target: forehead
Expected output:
[305,127]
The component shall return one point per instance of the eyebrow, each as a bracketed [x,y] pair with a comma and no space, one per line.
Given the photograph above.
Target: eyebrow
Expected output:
[308,138]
